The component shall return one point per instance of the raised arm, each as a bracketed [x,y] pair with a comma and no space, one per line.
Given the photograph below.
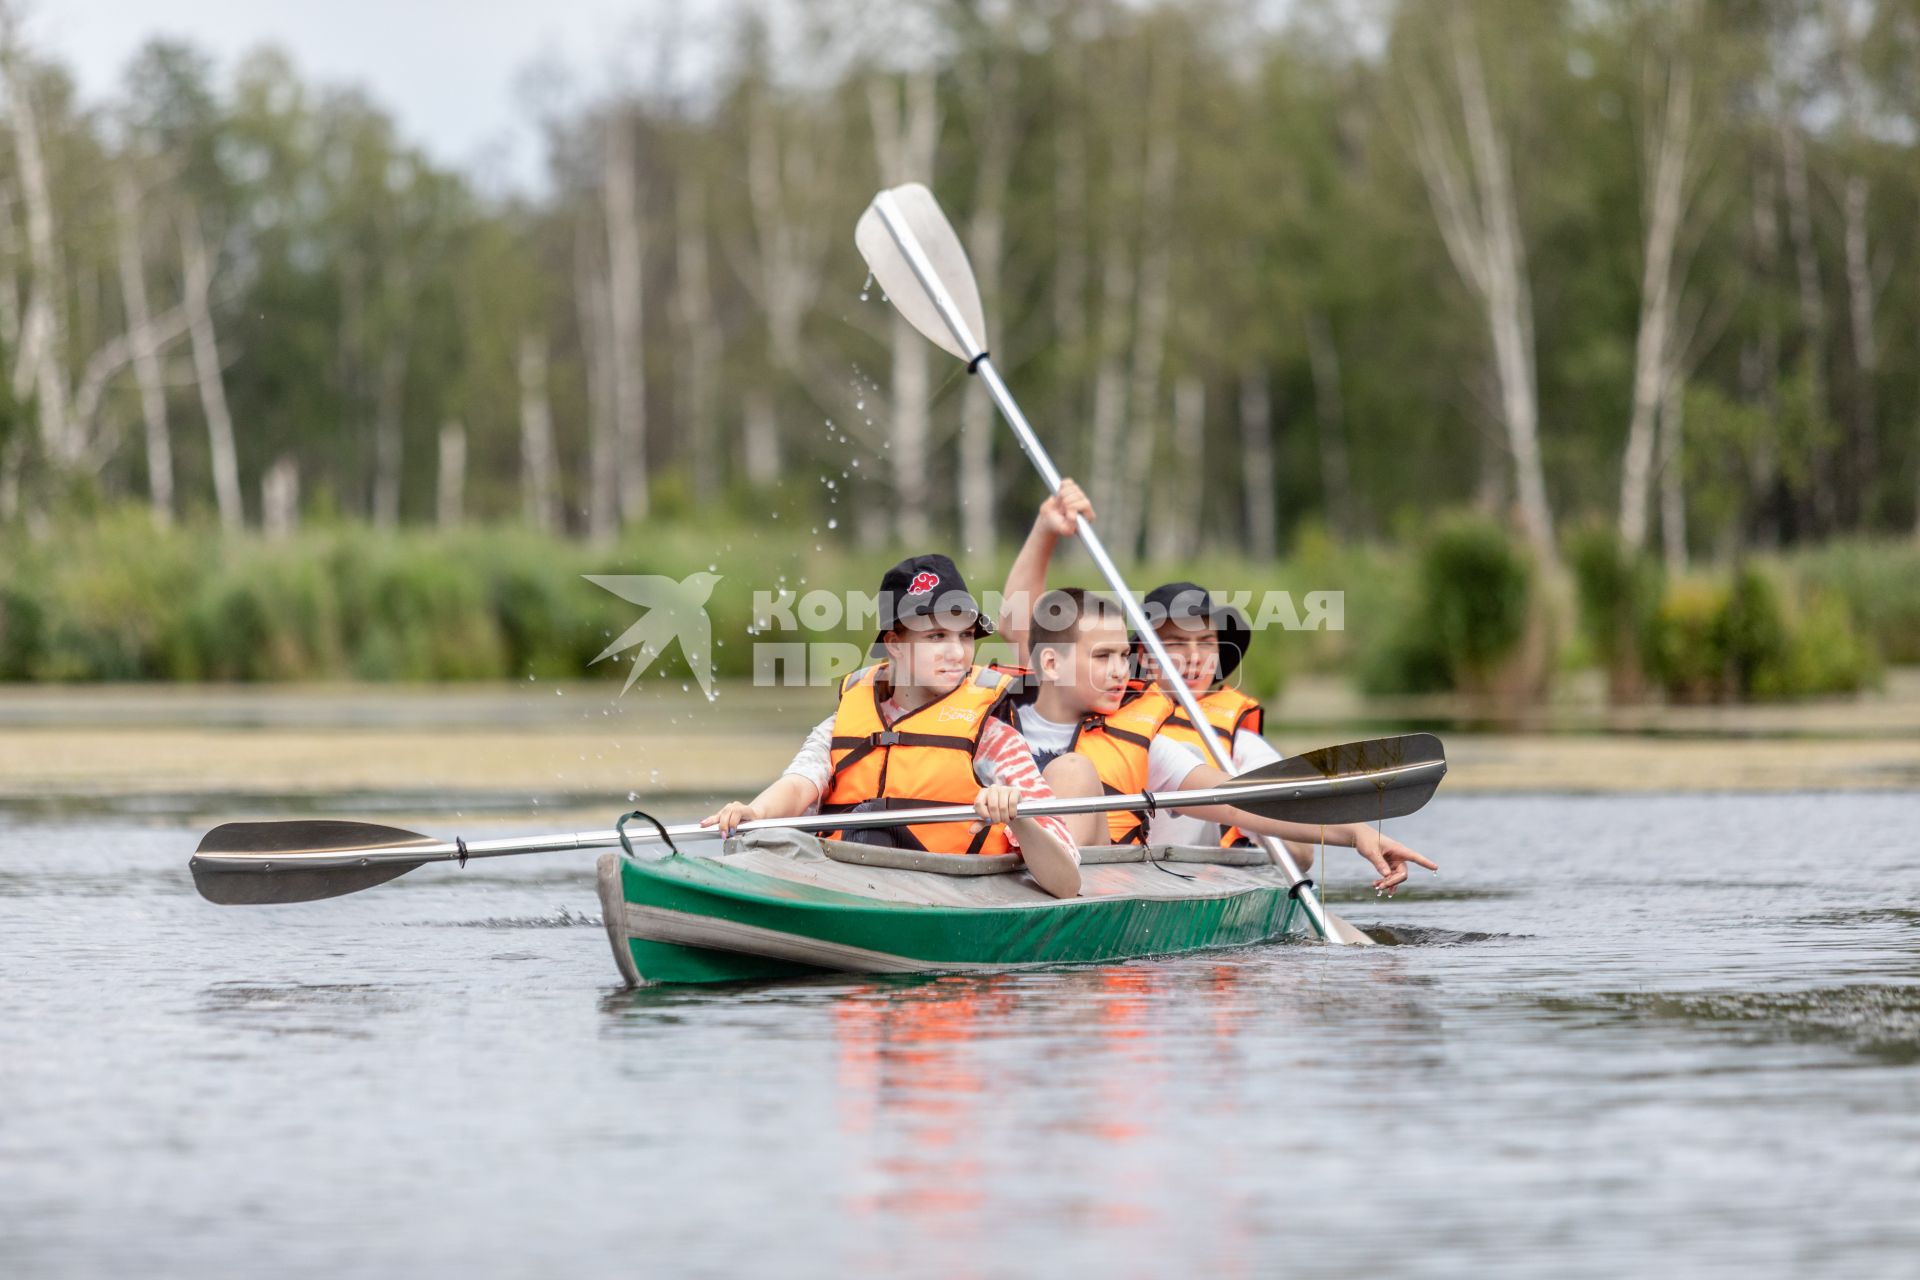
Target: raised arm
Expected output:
[1027,580]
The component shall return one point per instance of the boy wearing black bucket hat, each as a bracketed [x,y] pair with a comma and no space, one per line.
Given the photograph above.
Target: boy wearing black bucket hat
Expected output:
[917,727]
[1207,641]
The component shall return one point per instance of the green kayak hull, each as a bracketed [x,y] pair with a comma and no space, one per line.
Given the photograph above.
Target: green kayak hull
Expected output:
[781,910]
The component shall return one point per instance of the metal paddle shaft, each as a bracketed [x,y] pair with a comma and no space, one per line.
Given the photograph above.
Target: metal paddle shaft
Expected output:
[911,220]
[252,863]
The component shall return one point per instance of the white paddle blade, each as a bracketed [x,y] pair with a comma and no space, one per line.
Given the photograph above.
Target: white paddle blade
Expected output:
[904,224]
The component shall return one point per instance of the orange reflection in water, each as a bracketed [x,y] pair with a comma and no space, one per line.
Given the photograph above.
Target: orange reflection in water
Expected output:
[971,1098]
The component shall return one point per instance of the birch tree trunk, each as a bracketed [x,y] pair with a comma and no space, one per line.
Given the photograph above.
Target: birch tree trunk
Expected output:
[13,452]
[1257,468]
[1813,311]
[905,134]
[1155,298]
[603,480]
[389,434]
[1673,508]
[1666,153]
[760,440]
[1760,364]
[1862,455]
[206,367]
[538,465]
[992,101]
[625,252]
[1176,513]
[280,498]
[1109,379]
[450,509]
[1479,219]
[37,368]
[13,456]
[1070,200]
[146,358]
[693,296]
[784,172]
[9,272]
[1330,413]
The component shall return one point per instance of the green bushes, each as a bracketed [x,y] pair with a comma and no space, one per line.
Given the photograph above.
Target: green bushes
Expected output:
[113,599]
[1687,648]
[1743,638]
[1619,593]
[1878,583]
[1465,618]
[121,601]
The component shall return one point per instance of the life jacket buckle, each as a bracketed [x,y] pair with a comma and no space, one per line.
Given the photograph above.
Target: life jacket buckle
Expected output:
[885,738]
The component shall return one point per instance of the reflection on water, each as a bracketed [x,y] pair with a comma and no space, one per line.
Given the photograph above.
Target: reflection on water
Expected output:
[1576,1062]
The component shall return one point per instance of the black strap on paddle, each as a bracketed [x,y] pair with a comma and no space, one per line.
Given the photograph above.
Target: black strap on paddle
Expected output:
[620,828]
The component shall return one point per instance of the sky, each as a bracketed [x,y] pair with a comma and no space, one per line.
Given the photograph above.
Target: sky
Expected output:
[452,72]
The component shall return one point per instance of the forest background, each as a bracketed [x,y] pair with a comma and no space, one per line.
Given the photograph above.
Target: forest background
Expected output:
[1554,333]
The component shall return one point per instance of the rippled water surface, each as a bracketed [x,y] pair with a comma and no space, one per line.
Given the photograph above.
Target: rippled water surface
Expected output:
[1621,1035]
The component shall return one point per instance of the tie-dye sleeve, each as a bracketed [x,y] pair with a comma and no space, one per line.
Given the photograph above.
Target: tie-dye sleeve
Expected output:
[1004,758]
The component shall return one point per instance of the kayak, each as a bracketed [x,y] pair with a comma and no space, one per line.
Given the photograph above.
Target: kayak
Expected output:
[781,903]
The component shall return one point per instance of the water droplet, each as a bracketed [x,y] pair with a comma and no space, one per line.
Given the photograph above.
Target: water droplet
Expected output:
[833,524]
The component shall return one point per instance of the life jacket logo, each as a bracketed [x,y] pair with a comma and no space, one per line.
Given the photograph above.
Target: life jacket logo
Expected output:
[922,583]
[957,713]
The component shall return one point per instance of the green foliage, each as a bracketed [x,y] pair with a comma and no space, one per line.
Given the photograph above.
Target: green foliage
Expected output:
[1827,656]
[263,613]
[1619,595]
[1746,637]
[1468,618]
[1878,582]
[1688,653]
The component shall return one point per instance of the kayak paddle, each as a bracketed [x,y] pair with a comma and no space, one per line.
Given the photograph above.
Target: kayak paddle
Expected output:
[922,269]
[305,859]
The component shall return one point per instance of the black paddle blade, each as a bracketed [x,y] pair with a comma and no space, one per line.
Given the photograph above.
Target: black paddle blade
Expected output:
[1365,793]
[259,880]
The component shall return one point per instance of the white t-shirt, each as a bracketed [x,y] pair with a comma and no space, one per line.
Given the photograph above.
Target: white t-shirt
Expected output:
[1168,761]
[1250,751]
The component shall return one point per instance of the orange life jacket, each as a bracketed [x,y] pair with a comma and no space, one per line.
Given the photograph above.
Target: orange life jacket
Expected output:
[1117,745]
[923,758]
[1228,711]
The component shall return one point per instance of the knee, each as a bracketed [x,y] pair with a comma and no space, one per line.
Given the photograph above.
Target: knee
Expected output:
[1072,775]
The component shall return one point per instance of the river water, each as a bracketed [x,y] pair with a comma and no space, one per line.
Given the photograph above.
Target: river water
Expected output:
[1620,1035]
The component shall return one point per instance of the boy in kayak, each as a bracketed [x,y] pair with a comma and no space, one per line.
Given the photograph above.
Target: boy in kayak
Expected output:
[918,729]
[1206,641]
[1095,730]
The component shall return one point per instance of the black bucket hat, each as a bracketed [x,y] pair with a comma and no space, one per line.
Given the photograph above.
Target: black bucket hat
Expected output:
[920,586]
[1188,600]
